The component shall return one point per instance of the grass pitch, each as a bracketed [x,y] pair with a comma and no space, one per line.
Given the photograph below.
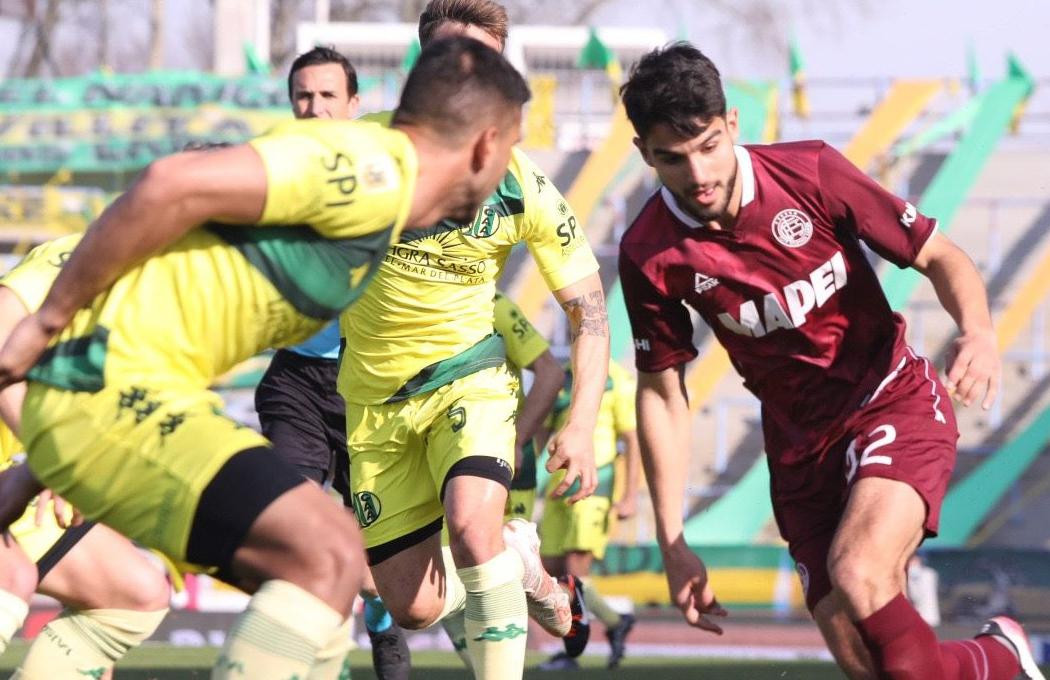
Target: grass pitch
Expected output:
[163,662]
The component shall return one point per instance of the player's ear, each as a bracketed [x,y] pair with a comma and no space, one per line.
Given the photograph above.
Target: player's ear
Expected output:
[643,149]
[733,123]
[355,105]
[484,148]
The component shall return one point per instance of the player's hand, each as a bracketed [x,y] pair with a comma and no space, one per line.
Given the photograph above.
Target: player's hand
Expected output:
[65,514]
[627,507]
[23,348]
[17,488]
[690,590]
[572,450]
[973,367]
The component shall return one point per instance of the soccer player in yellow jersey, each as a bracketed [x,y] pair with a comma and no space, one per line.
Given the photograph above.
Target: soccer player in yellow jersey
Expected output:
[114,596]
[431,404]
[299,409]
[527,349]
[150,307]
[573,536]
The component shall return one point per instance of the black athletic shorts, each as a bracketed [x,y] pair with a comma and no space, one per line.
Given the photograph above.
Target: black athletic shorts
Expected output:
[301,412]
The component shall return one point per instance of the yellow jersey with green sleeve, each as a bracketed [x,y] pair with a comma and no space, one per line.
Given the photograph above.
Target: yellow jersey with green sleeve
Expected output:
[427,318]
[338,193]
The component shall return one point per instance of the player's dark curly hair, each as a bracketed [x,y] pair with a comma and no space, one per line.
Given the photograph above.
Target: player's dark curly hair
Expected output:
[324,55]
[676,85]
[459,85]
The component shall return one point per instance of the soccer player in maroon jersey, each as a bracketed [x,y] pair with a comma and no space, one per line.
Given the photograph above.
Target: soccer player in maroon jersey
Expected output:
[763,242]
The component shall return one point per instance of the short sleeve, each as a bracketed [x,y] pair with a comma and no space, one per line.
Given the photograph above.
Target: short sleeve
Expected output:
[891,226]
[550,230]
[345,179]
[31,278]
[524,343]
[661,326]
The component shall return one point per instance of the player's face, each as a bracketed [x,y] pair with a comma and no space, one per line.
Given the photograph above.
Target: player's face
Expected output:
[491,156]
[700,171]
[319,91]
[452,29]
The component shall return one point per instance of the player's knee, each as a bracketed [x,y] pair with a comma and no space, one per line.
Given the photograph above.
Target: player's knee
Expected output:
[146,589]
[330,553]
[475,543]
[417,614]
[19,578]
[855,575]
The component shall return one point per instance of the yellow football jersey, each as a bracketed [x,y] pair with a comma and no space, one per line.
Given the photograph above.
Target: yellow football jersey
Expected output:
[427,318]
[615,414]
[524,343]
[9,446]
[338,193]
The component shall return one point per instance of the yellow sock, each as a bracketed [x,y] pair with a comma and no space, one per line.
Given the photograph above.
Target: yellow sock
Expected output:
[331,661]
[597,605]
[87,643]
[455,595]
[278,635]
[497,618]
[13,611]
[455,628]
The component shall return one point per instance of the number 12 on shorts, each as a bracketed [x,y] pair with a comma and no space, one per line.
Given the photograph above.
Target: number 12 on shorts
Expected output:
[882,435]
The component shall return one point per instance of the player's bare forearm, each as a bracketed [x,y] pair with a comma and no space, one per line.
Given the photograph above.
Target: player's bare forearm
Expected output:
[584,305]
[973,361]
[627,505]
[548,377]
[663,437]
[17,488]
[957,282]
[572,447]
[171,197]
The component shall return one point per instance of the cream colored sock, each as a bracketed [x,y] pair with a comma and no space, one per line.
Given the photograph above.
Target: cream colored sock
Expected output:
[455,628]
[455,594]
[278,636]
[497,617]
[331,662]
[597,605]
[87,643]
[13,611]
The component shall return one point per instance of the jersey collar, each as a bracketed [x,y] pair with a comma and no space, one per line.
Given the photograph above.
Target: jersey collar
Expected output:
[745,172]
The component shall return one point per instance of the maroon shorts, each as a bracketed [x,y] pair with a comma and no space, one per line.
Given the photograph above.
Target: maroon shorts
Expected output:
[905,431]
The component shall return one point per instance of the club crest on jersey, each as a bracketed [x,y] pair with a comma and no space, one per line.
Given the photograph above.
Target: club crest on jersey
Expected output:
[803,576]
[792,228]
[485,224]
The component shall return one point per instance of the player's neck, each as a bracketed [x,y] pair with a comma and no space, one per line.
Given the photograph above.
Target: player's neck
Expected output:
[439,170]
[728,218]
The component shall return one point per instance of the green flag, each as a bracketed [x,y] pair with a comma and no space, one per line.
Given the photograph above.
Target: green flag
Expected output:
[253,63]
[411,56]
[596,54]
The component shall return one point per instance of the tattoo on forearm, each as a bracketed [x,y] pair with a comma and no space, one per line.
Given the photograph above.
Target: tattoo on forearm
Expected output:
[587,315]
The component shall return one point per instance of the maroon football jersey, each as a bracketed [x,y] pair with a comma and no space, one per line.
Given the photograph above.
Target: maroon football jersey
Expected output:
[787,289]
